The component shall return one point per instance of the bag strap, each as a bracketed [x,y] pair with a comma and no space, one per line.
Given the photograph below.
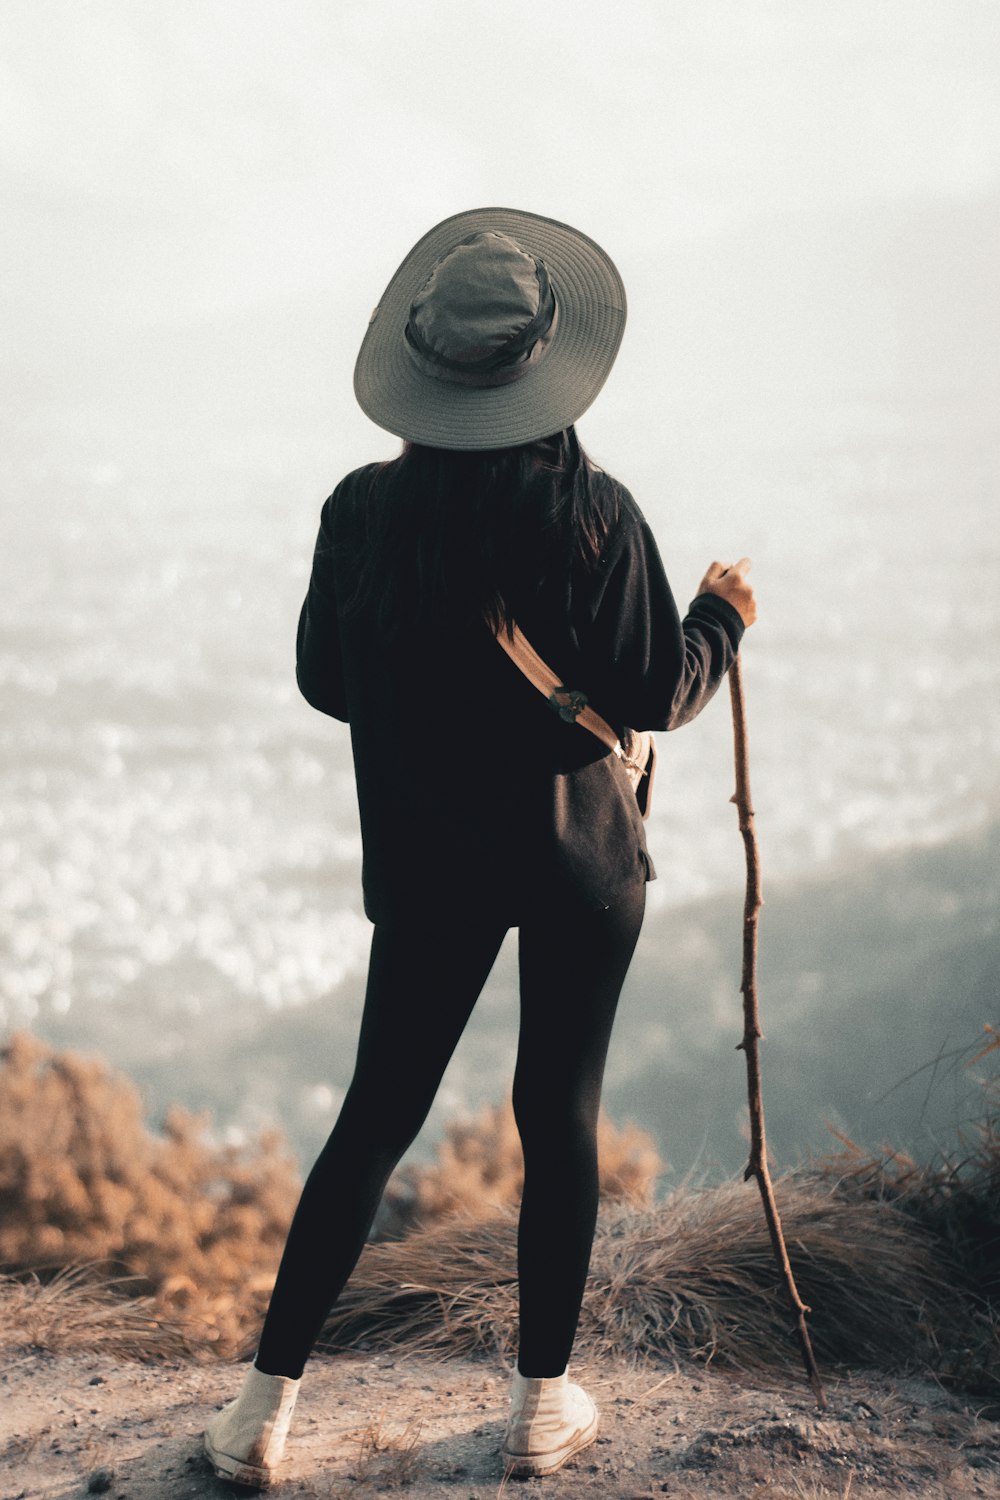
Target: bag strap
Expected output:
[569,703]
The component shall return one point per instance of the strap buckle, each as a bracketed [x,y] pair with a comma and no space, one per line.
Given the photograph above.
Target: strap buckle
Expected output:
[635,744]
[567,703]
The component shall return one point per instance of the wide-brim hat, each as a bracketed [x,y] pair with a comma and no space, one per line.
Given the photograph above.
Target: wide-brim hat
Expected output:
[500,327]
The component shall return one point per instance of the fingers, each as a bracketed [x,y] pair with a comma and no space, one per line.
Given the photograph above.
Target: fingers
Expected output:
[728,580]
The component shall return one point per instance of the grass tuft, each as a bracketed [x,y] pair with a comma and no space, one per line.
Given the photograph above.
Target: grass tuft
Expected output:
[693,1278]
[80,1309]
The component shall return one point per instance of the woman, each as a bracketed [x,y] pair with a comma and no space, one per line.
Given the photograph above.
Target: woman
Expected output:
[480,808]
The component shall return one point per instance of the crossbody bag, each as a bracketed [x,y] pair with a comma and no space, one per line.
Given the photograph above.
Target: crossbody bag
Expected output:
[637,754]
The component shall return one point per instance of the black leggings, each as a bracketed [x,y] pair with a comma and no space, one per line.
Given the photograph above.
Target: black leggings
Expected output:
[423,980]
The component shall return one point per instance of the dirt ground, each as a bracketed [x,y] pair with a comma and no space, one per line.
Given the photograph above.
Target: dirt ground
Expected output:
[371,1424]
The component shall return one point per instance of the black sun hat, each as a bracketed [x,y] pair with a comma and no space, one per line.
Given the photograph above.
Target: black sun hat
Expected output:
[499,328]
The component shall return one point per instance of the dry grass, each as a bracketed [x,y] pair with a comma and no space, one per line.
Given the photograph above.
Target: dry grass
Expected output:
[805,1490]
[692,1278]
[899,1261]
[82,1310]
[697,1277]
[954,1200]
[388,1459]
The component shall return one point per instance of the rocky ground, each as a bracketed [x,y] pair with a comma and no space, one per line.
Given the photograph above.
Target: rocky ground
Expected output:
[368,1424]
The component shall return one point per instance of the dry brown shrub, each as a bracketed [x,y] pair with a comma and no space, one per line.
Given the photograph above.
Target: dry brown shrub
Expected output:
[197,1227]
[480,1169]
[192,1228]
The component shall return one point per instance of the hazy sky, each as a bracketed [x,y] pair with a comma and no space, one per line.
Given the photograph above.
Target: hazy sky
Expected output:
[200,203]
[165,163]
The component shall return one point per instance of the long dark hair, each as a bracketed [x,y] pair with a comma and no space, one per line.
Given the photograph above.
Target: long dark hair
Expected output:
[450,535]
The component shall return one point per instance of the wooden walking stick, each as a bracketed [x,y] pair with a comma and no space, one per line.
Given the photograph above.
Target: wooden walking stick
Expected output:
[757,1165]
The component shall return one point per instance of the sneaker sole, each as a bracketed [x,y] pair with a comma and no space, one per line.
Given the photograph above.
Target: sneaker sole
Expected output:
[547,1463]
[237,1472]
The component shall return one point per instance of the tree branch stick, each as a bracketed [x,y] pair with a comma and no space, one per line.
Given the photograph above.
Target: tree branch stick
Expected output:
[752,1034]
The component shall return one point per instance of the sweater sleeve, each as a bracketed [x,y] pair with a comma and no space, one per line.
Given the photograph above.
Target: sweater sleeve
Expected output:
[318,667]
[652,669]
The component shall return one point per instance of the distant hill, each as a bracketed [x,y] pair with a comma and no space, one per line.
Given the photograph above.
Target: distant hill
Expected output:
[866,975]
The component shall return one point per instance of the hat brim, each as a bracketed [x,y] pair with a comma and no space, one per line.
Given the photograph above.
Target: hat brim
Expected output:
[397,395]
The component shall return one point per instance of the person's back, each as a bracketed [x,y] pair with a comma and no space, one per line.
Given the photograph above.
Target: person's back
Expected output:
[481,809]
[462,768]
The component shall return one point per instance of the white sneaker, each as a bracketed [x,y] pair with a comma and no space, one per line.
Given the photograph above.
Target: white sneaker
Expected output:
[246,1439]
[550,1420]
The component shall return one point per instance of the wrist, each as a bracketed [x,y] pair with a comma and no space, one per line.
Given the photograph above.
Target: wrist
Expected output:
[722,609]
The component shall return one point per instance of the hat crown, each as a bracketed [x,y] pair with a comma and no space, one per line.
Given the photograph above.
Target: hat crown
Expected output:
[479,298]
[498,328]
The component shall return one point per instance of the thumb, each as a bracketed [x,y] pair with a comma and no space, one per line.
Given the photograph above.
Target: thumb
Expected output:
[741,568]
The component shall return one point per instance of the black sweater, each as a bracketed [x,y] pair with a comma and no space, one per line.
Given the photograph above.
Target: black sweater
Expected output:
[470,787]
